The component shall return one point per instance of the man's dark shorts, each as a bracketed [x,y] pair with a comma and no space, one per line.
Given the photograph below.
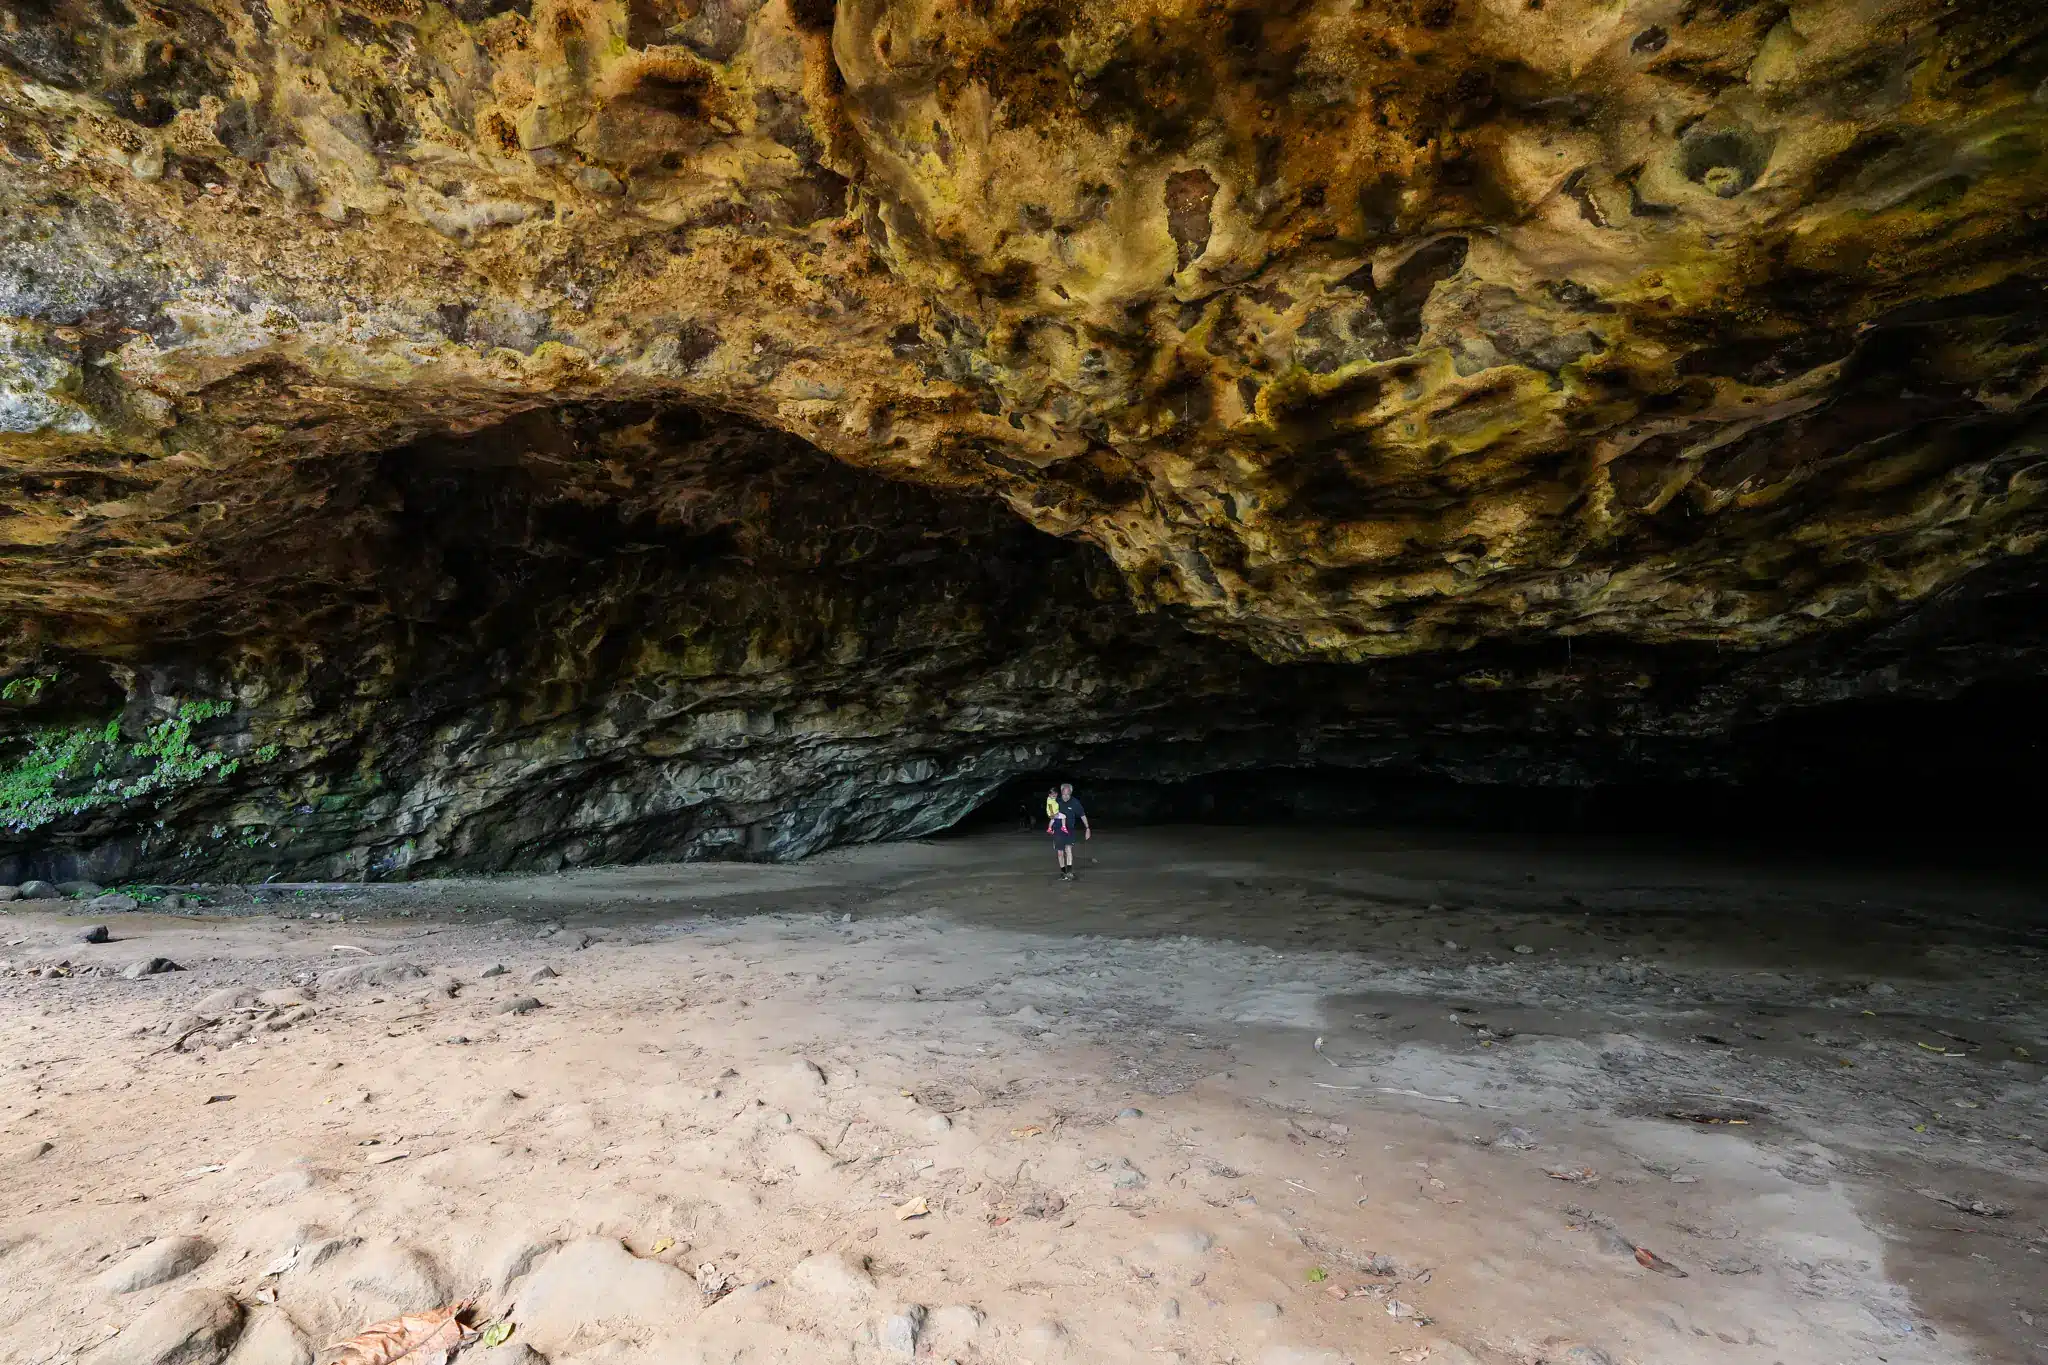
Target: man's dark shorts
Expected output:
[1062,841]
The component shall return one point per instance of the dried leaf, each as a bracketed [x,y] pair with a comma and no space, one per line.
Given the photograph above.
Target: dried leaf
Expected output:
[1577,1175]
[282,1263]
[412,1338]
[664,1244]
[1028,1130]
[1650,1260]
[915,1208]
[498,1333]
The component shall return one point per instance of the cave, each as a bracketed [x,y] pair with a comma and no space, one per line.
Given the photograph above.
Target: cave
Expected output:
[551,552]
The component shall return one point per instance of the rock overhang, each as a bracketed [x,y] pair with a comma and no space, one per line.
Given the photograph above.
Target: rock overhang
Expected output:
[1694,344]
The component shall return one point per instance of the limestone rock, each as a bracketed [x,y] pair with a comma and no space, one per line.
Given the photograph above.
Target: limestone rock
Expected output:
[271,1338]
[835,1276]
[593,1282]
[185,1327]
[166,1258]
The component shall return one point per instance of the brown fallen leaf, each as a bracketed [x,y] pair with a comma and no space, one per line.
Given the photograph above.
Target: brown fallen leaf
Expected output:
[1650,1260]
[1577,1175]
[427,1338]
[915,1208]
[1028,1130]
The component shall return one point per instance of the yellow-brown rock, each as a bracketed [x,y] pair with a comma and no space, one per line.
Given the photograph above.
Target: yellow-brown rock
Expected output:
[1348,330]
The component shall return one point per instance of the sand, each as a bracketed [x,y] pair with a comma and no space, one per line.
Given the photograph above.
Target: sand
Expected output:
[1233,1096]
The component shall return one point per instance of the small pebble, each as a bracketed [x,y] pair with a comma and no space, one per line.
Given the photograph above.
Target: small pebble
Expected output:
[519,1004]
[1524,948]
[495,969]
[1130,1113]
[542,974]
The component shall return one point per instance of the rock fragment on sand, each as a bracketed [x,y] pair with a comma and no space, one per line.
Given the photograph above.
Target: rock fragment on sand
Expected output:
[900,1330]
[519,1004]
[511,1353]
[94,933]
[374,973]
[540,974]
[149,966]
[271,1339]
[36,890]
[593,1283]
[495,969]
[834,1275]
[186,1327]
[155,1263]
[113,903]
[954,1326]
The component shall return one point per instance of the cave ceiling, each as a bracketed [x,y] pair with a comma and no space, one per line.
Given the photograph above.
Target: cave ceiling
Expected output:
[1340,334]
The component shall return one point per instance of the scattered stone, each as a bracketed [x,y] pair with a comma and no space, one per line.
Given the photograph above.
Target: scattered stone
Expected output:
[113,904]
[80,888]
[271,1339]
[340,1285]
[1517,1140]
[226,1000]
[519,1004]
[1181,1244]
[540,974]
[511,1353]
[495,969]
[149,966]
[1127,1176]
[33,1152]
[1027,1015]
[594,1286]
[34,890]
[187,1327]
[10,893]
[802,1154]
[94,933]
[955,1325]
[1883,988]
[458,1039]
[938,1123]
[1524,949]
[834,1275]
[156,1263]
[1170,1311]
[1045,1339]
[373,973]
[900,1329]
[1130,1113]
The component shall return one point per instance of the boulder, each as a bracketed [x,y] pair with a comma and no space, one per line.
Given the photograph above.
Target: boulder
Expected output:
[186,1327]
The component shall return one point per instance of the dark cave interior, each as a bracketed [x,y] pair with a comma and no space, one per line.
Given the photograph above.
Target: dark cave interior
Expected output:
[625,632]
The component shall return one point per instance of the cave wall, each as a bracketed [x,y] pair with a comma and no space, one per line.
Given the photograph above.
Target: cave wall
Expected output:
[537,431]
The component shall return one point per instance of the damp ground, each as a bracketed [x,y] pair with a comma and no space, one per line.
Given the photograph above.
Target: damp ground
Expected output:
[1232,1096]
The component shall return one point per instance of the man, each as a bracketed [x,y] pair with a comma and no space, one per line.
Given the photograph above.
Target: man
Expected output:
[1065,816]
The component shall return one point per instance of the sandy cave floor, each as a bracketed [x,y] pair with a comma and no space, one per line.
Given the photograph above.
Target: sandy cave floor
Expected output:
[1195,1107]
